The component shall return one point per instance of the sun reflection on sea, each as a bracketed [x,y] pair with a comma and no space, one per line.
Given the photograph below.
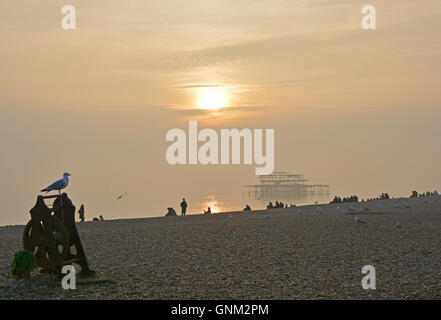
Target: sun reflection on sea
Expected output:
[213,202]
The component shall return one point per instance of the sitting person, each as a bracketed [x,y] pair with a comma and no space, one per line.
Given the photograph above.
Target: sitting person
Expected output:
[270,205]
[101,218]
[208,211]
[170,212]
[96,219]
[247,208]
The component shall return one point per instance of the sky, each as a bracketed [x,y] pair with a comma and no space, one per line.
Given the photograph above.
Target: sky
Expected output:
[356,109]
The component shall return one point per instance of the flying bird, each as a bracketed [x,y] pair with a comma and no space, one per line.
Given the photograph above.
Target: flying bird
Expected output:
[58,185]
[121,195]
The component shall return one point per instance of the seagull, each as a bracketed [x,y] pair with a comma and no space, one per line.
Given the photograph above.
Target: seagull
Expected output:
[357,219]
[398,224]
[58,185]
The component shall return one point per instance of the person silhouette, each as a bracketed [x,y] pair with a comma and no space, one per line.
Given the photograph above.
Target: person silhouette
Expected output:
[170,212]
[81,213]
[183,207]
[208,211]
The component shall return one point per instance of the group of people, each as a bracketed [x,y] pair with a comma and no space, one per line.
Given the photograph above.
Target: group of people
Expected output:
[279,204]
[428,194]
[383,196]
[82,212]
[172,212]
[344,200]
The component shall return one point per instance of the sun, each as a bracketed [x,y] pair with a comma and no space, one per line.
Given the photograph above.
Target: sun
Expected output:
[212,98]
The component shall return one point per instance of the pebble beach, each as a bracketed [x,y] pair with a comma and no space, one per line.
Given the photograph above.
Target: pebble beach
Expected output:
[247,255]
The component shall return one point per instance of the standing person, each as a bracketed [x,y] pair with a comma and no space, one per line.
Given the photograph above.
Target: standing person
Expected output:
[81,213]
[183,207]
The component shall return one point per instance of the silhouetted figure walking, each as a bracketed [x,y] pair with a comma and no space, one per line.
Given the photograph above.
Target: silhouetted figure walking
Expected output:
[183,207]
[81,213]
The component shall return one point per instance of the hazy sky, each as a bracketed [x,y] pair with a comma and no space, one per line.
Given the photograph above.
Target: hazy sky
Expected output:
[357,109]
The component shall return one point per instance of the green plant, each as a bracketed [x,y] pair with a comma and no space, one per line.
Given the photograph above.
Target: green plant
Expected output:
[23,264]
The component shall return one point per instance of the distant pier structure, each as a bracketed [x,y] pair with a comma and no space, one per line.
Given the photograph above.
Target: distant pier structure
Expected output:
[286,187]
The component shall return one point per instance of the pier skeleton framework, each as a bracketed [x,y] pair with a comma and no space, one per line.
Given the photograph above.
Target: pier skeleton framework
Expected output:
[284,186]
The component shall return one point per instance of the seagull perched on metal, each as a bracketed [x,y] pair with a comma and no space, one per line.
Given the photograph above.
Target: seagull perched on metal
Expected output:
[58,185]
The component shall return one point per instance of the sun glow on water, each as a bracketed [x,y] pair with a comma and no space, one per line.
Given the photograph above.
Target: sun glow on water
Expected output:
[215,205]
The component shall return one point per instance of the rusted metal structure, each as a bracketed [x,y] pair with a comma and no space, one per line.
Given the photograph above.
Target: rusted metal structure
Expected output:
[52,236]
[284,186]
